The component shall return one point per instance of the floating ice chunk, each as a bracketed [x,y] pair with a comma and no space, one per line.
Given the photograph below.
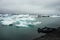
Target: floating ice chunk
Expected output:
[7,22]
[35,23]
[21,24]
[54,16]
[22,15]
[31,18]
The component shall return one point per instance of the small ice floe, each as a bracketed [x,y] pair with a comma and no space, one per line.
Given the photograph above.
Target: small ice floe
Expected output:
[7,22]
[35,23]
[21,25]
[54,16]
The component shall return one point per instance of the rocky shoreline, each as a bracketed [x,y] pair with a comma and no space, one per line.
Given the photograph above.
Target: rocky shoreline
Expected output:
[54,35]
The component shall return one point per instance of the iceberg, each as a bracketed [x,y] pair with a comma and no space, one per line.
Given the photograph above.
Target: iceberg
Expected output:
[19,20]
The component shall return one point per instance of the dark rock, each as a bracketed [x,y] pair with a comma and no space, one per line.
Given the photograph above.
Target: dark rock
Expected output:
[46,30]
[54,35]
[11,25]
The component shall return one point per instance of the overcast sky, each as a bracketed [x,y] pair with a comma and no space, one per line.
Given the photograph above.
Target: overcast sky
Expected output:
[30,6]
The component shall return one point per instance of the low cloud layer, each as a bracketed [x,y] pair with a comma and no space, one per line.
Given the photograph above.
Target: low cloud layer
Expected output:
[30,6]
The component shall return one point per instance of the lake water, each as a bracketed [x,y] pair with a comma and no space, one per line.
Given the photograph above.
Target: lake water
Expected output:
[27,33]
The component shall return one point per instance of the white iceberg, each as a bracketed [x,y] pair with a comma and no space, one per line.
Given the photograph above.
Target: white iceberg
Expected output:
[19,20]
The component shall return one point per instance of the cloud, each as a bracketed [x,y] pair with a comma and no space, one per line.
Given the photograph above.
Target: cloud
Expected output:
[31,6]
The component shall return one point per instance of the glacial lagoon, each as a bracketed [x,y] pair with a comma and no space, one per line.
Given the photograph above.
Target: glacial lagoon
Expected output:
[25,28]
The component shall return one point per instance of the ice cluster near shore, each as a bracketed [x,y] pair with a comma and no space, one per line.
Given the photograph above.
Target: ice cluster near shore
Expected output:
[19,20]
